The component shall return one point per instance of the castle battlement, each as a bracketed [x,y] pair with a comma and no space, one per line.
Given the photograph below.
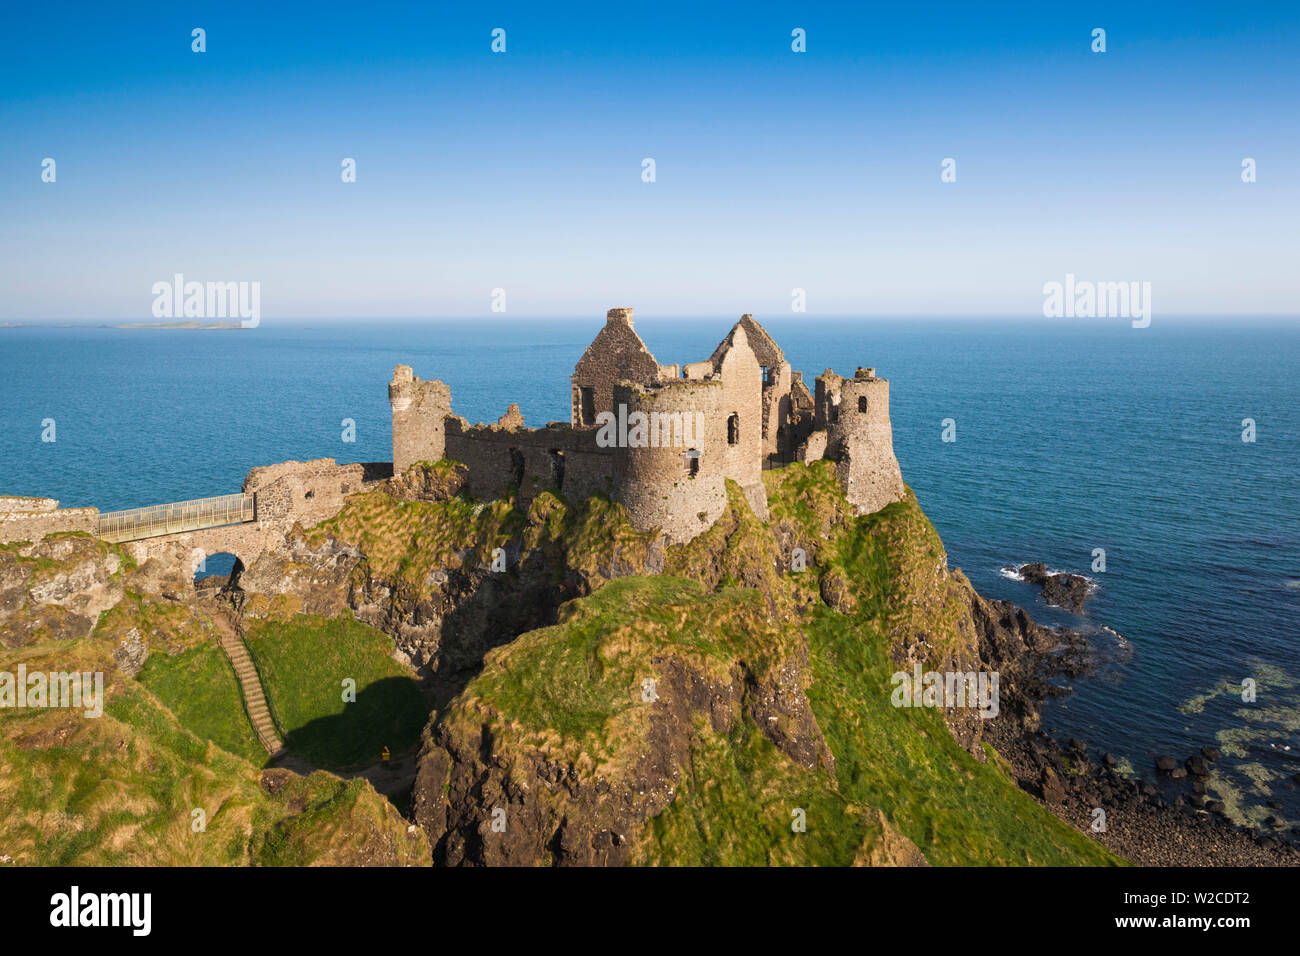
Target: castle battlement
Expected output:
[664,439]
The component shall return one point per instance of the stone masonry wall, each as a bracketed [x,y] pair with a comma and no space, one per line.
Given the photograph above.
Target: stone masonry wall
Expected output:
[742,396]
[616,354]
[556,458]
[303,492]
[28,523]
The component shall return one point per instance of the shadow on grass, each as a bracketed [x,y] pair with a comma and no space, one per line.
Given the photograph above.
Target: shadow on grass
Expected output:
[387,713]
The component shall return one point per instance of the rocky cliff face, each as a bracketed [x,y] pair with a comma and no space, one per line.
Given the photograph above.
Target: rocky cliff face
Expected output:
[600,696]
[56,588]
[594,686]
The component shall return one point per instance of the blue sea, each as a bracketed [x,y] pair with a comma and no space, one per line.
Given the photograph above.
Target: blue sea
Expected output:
[1071,435]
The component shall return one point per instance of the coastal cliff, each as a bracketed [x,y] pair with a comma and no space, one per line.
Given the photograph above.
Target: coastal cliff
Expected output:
[550,686]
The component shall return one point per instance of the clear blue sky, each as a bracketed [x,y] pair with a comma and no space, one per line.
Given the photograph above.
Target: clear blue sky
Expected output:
[775,170]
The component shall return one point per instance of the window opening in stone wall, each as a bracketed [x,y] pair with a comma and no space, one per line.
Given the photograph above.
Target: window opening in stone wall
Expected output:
[587,397]
[862,403]
[733,429]
[693,462]
[557,468]
[516,467]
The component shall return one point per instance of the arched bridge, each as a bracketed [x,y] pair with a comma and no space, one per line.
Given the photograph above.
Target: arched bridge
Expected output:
[274,500]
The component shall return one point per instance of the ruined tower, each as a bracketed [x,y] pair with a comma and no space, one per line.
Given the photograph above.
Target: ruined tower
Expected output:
[419,413]
[860,437]
[671,475]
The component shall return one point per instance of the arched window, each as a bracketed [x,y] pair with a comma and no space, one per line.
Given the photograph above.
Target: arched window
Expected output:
[733,429]
[693,462]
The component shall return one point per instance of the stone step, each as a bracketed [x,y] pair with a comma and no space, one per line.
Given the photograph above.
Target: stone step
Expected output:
[250,684]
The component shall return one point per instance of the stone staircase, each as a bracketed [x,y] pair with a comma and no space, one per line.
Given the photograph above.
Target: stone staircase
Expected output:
[251,685]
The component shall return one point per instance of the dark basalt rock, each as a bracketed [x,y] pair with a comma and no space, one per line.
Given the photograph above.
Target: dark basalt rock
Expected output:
[1197,766]
[1166,764]
[1211,754]
[1068,591]
[1051,788]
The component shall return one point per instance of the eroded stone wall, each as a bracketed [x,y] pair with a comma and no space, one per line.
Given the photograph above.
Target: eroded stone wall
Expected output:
[303,492]
[556,458]
[30,519]
[742,418]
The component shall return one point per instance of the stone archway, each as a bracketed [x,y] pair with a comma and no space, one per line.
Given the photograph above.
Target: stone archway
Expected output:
[219,570]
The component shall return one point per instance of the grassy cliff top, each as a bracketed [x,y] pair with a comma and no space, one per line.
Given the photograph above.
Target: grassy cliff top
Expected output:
[766,704]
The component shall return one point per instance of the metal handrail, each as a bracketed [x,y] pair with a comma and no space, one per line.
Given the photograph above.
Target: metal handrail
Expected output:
[176,517]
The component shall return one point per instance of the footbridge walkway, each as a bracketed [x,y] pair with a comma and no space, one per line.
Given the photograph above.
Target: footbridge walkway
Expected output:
[136,524]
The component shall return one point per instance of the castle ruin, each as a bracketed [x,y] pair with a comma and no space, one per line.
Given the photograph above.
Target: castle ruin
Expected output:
[663,439]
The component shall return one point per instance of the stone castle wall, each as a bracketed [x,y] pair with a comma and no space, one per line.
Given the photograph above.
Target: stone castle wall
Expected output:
[741,419]
[289,493]
[30,519]
[302,492]
[556,458]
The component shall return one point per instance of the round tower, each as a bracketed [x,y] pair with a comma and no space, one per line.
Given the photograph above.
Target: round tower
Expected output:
[862,441]
[670,456]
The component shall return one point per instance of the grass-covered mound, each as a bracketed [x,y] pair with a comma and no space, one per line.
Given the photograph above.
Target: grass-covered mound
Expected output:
[403,541]
[767,735]
[200,688]
[304,662]
[122,789]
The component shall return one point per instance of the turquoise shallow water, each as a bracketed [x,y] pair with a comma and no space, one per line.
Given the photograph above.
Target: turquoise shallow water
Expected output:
[1070,437]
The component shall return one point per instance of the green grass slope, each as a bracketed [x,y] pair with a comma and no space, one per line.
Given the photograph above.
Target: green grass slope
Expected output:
[304,662]
[169,775]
